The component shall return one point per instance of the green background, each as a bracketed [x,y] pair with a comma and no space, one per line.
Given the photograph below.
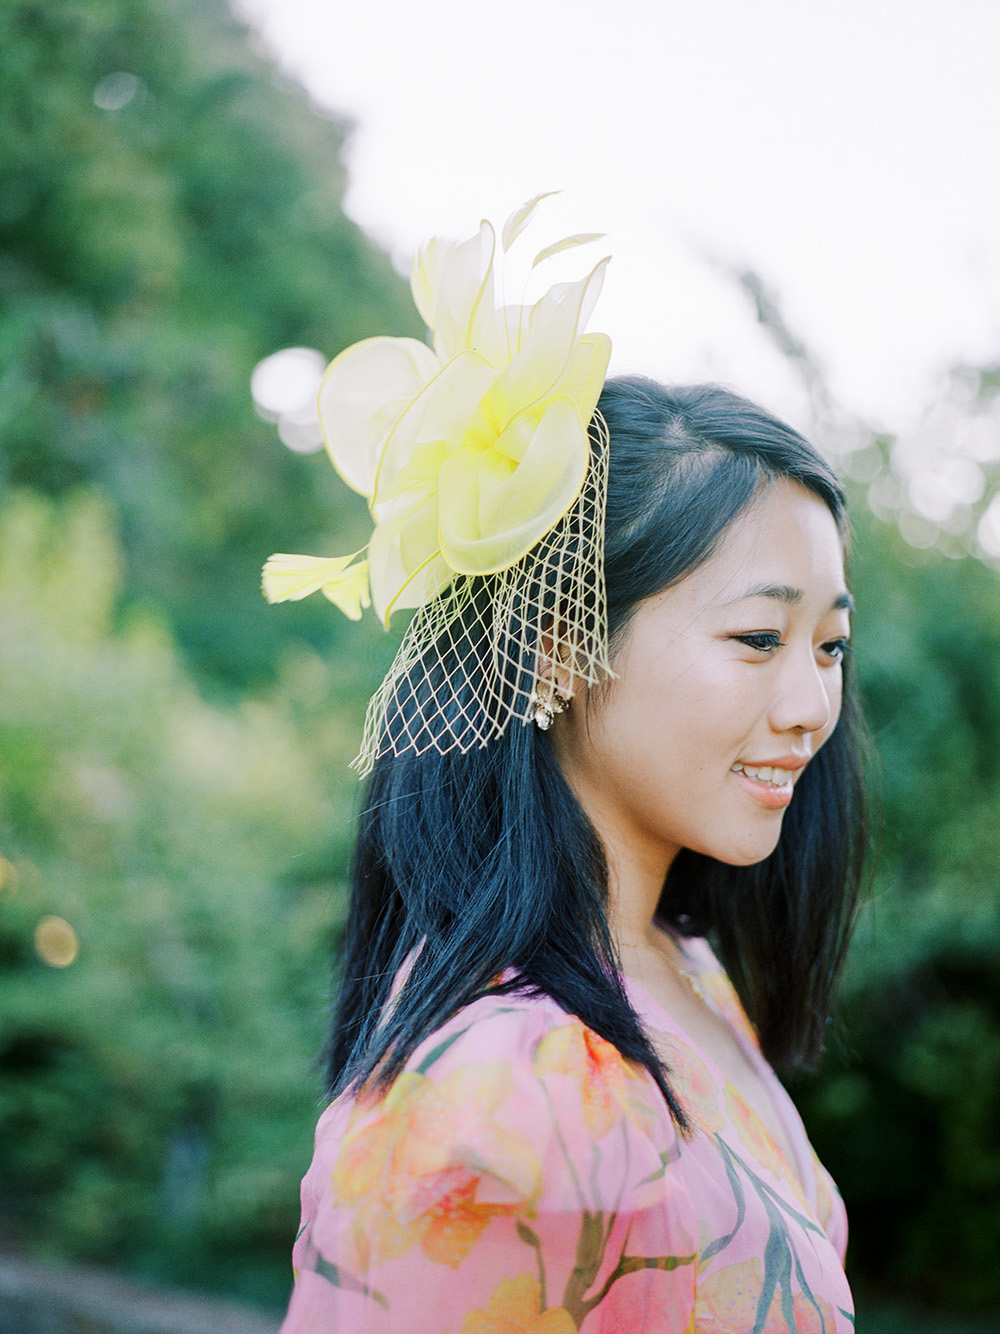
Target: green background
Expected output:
[173,753]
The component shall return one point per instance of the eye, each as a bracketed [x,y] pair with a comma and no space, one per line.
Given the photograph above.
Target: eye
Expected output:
[764,641]
[837,649]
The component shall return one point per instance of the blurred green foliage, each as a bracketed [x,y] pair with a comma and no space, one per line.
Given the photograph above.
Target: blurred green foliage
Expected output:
[155,1095]
[173,754]
[170,213]
[150,254]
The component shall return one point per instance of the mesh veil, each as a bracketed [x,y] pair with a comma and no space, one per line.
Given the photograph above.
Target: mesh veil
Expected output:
[468,663]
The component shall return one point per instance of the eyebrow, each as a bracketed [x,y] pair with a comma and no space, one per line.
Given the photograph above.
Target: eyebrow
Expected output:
[790,596]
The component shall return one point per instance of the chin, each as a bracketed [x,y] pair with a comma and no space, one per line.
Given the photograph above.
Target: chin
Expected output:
[748,859]
[744,852]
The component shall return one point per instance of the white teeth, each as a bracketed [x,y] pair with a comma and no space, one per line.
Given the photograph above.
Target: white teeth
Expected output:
[765,773]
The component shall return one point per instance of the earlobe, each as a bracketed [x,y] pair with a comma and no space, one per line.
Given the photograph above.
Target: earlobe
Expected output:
[554,685]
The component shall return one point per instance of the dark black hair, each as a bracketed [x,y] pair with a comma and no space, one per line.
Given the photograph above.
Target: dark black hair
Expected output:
[473,864]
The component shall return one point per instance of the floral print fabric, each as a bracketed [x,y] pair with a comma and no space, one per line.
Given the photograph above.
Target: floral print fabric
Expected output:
[521,1177]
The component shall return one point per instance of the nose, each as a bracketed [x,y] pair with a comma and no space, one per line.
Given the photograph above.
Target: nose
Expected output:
[808,695]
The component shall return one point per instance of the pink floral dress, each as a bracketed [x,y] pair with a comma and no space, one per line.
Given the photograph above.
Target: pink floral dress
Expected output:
[521,1177]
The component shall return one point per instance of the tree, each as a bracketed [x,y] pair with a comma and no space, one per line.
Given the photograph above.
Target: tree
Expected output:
[171,214]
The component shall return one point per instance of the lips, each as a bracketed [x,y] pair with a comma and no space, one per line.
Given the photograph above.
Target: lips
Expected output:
[769,784]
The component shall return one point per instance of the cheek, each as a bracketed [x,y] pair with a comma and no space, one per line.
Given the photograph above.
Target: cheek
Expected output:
[836,697]
[691,722]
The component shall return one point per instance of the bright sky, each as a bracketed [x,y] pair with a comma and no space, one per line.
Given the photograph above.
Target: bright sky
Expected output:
[846,151]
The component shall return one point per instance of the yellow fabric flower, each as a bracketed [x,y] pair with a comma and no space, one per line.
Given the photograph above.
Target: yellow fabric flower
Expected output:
[289,578]
[471,451]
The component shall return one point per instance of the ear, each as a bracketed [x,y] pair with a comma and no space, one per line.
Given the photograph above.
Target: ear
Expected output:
[553,675]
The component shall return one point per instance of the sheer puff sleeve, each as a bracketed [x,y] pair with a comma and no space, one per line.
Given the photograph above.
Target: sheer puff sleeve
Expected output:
[514,1178]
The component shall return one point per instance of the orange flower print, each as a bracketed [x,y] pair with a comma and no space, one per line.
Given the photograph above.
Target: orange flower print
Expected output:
[812,1315]
[429,1164]
[695,1087]
[758,1139]
[607,1080]
[515,1308]
[729,1298]
[720,991]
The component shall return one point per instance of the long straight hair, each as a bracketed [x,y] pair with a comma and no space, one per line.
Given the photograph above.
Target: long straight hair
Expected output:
[469,866]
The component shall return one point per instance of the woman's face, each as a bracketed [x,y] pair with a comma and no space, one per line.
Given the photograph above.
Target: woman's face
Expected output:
[727,684]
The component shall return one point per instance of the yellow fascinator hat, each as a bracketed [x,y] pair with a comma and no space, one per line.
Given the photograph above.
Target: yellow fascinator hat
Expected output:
[485,472]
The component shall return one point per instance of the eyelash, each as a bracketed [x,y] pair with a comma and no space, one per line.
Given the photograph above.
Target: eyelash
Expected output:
[839,648]
[766,641]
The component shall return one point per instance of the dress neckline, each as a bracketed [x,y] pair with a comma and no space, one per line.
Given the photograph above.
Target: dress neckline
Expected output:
[800,1165]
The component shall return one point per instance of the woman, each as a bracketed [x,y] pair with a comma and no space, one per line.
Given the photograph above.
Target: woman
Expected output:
[551,1111]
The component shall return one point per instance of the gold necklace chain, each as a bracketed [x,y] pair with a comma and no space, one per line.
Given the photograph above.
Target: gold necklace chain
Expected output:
[689,979]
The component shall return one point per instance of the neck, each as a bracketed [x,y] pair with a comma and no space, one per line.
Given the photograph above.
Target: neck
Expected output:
[638,861]
[636,874]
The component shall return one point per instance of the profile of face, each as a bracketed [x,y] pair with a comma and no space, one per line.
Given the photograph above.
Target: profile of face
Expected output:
[727,685]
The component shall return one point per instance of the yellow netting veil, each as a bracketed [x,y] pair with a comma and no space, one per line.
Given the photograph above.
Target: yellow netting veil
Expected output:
[470,657]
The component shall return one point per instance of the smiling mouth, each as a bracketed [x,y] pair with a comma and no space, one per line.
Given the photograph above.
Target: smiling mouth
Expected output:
[768,774]
[768,784]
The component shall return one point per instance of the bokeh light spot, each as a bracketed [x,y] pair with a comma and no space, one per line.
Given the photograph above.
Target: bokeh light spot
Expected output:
[988,530]
[56,943]
[116,90]
[918,531]
[284,388]
[8,876]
